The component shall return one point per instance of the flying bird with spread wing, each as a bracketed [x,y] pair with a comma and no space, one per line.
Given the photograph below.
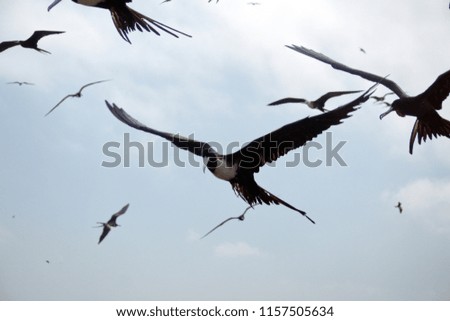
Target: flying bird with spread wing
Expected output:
[126,19]
[240,218]
[424,106]
[111,223]
[77,95]
[399,206]
[239,167]
[315,104]
[31,42]
[381,99]
[20,83]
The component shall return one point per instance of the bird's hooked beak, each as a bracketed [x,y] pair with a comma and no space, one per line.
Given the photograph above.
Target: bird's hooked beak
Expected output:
[53,4]
[387,112]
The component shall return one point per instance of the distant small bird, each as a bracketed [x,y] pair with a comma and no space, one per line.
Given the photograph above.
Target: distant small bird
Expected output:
[240,218]
[78,94]
[399,206]
[126,19]
[30,42]
[380,99]
[315,104]
[424,106]
[47,261]
[210,1]
[362,50]
[111,223]
[20,83]
[253,3]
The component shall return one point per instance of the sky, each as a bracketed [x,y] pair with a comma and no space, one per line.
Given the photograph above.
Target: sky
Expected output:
[215,86]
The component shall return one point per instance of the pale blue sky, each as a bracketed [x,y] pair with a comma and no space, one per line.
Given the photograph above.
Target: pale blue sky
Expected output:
[216,86]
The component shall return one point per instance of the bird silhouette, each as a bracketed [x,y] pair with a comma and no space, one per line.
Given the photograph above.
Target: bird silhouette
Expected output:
[78,94]
[315,104]
[111,223]
[239,167]
[399,206]
[381,99]
[126,19]
[424,106]
[31,42]
[240,218]
[20,83]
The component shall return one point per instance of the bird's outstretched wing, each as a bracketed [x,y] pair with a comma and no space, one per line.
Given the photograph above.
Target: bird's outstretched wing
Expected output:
[323,99]
[339,66]
[271,146]
[93,83]
[60,102]
[37,35]
[439,90]
[121,212]
[197,147]
[240,217]
[8,44]
[105,232]
[287,100]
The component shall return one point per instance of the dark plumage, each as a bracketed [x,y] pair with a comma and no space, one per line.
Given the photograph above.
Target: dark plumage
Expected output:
[30,42]
[239,167]
[399,206]
[126,19]
[111,223]
[315,104]
[424,106]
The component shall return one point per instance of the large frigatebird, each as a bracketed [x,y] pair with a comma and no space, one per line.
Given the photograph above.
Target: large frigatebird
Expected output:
[111,223]
[126,19]
[239,167]
[31,42]
[423,106]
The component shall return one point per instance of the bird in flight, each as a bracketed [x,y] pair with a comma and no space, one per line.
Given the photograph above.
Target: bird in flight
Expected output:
[20,83]
[31,42]
[381,99]
[126,19]
[111,223]
[78,94]
[240,218]
[239,167]
[424,106]
[315,104]
[399,206]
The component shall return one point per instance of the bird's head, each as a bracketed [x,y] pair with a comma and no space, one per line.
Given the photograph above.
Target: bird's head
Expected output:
[397,106]
[54,3]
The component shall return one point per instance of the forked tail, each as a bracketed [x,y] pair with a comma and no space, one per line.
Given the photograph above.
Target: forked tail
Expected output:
[126,20]
[428,126]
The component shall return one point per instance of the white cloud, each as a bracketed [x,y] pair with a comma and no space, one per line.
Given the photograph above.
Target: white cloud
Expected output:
[237,249]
